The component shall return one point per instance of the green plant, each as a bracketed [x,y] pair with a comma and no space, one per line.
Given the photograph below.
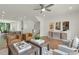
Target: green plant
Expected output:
[37,37]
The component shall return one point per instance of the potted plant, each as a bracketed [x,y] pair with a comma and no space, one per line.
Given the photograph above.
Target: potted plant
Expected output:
[37,37]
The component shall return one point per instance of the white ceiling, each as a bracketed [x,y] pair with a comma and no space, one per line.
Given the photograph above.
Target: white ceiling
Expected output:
[21,10]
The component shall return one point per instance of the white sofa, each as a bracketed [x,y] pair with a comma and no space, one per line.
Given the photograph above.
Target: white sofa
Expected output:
[59,52]
[64,50]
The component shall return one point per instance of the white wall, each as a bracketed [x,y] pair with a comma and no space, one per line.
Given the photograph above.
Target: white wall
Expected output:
[73,26]
[73,29]
[28,23]
[28,26]
[6,20]
[16,26]
[42,32]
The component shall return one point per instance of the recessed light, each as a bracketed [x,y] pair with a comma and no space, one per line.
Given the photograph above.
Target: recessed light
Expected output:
[3,12]
[70,8]
[44,15]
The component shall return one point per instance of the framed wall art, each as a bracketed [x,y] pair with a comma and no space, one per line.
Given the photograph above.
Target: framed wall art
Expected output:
[51,26]
[65,25]
[58,26]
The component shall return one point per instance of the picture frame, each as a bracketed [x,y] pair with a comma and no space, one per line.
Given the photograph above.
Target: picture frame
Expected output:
[58,26]
[51,26]
[65,25]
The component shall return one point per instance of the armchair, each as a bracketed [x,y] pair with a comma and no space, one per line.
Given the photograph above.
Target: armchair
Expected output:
[27,36]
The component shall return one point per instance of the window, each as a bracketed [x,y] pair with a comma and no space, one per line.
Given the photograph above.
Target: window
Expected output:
[4,27]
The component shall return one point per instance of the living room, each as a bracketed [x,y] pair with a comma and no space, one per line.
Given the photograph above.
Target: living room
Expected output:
[46,32]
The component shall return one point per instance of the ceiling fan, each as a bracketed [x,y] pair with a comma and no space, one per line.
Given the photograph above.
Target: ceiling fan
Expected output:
[44,8]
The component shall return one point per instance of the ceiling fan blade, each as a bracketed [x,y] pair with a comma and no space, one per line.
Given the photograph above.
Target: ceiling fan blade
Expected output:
[49,5]
[42,6]
[48,9]
[37,9]
[41,12]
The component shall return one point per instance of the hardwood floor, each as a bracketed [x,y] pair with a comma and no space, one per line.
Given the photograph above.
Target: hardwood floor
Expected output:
[53,43]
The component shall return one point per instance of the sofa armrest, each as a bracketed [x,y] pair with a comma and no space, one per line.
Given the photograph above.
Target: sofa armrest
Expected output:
[59,52]
[68,49]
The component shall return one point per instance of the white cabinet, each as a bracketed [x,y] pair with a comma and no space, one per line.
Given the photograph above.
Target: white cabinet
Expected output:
[57,35]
